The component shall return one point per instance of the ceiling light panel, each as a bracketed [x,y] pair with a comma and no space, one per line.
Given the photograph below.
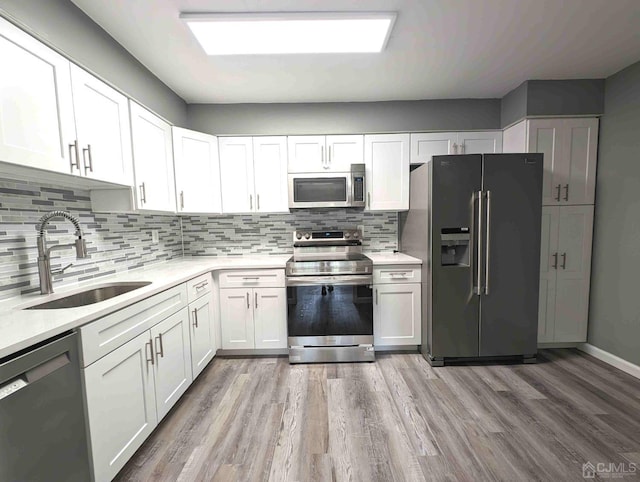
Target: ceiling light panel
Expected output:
[290,33]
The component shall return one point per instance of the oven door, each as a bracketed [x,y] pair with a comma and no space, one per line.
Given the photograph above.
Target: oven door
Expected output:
[322,189]
[330,310]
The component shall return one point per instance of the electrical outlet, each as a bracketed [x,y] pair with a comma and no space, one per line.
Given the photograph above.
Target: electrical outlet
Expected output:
[155,238]
[361,228]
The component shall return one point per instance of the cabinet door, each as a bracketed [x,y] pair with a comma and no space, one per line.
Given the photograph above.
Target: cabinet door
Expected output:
[306,154]
[514,138]
[270,315]
[426,145]
[120,405]
[396,314]
[172,350]
[579,154]
[236,318]
[574,271]
[37,127]
[236,174]
[202,333]
[270,174]
[545,137]
[342,151]
[479,142]
[387,172]
[102,124]
[153,161]
[197,169]
[548,270]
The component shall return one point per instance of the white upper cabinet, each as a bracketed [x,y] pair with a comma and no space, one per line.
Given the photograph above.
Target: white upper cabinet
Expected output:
[197,170]
[386,159]
[37,127]
[426,145]
[479,142]
[253,173]
[103,131]
[570,155]
[324,153]
[270,174]
[153,161]
[429,144]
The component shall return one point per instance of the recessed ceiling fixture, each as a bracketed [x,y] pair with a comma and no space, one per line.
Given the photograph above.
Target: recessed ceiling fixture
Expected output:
[290,33]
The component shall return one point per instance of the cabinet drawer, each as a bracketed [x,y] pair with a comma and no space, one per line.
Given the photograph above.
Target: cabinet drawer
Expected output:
[106,334]
[199,286]
[267,278]
[397,274]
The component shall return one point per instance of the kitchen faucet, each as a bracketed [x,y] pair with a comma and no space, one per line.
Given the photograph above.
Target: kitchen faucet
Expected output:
[44,254]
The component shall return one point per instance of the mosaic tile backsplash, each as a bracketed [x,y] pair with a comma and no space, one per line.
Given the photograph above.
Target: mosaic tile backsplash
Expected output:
[271,233]
[115,242]
[120,242]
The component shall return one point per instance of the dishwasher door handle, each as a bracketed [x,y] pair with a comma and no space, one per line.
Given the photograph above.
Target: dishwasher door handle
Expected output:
[34,374]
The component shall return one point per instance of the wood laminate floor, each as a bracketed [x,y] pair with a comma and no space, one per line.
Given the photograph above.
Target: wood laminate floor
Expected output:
[396,419]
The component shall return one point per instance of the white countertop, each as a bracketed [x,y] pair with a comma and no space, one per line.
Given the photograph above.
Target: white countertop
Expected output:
[21,328]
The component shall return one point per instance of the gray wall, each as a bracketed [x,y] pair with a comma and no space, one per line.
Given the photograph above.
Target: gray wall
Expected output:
[64,26]
[614,318]
[345,118]
[514,105]
[575,97]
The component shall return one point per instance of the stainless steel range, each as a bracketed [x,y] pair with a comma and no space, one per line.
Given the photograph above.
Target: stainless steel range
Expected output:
[329,297]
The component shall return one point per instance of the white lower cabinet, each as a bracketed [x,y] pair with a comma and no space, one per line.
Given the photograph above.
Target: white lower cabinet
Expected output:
[202,333]
[120,393]
[253,318]
[172,360]
[397,306]
[565,272]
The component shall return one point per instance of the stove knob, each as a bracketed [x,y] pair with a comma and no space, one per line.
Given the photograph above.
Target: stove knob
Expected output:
[298,236]
[307,235]
[356,235]
[347,235]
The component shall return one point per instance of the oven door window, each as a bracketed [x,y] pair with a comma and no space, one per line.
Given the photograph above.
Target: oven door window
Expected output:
[320,189]
[326,310]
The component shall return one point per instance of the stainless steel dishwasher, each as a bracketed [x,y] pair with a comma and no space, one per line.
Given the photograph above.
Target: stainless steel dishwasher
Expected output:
[42,422]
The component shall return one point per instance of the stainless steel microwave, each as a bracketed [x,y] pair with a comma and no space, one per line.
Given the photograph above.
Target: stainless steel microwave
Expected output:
[328,189]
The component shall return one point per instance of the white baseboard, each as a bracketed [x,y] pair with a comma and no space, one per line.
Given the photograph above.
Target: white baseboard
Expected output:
[611,359]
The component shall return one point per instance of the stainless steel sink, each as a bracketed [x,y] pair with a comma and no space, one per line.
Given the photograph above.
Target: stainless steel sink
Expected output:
[90,296]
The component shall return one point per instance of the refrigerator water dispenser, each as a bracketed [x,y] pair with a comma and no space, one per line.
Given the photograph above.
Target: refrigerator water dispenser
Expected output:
[454,246]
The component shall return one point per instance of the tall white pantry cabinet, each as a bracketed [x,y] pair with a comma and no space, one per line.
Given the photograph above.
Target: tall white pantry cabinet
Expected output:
[570,149]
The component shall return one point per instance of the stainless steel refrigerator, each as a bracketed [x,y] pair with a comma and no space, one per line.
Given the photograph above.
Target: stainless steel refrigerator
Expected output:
[474,220]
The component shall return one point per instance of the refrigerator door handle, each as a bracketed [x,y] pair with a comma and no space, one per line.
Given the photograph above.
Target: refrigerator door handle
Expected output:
[479,245]
[488,245]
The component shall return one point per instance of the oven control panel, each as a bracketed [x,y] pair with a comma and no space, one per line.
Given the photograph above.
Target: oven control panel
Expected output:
[327,237]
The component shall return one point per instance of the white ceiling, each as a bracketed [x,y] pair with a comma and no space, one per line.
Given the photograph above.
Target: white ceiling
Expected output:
[438,48]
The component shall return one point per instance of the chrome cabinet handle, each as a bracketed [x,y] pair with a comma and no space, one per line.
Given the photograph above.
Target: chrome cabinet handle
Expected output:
[201,286]
[143,193]
[368,199]
[161,352]
[150,344]
[87,150]
[181,199]
[555,261]
[376,296]
[256,295]
[559,188]
[258,202]
[322,159]
[479,247]
[248,305]
[74,147]
[487,248]
[195,318]
[564,260]
[454,148]
[566,192]
[401,274]
[461,148]
[247,278]
[251,202]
